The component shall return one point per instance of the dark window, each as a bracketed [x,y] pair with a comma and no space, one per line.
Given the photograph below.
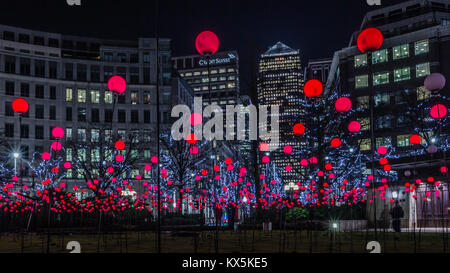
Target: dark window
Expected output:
[9,88]
[52,70]
[8,35]
[39,132]
[39,68]
[8,109]
[81,114]
[39,40]
[134,58]
[39,111]
[134,116]
[108,72]
[10,64]
[146,116]
[121,99]
[53,42]
[52,112]
[108,115]
[122,115]
[134,75]
[9,129]
[81,72]
[95,73]
[95,115]
[25,150]
[25,66]
[146,75]
[69,71]
[24,131]
[108,57]
[24,90]
[39,91]
[68,113]
[67,44]
[122,57]
[53,92]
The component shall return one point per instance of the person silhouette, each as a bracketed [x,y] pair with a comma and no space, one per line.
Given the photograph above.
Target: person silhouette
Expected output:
[397,215]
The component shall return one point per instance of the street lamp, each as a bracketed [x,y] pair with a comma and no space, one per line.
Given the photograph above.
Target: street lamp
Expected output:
[16,155]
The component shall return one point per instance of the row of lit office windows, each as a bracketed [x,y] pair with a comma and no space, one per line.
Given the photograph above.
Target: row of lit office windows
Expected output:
[398,52]
[400,74]
[205,72]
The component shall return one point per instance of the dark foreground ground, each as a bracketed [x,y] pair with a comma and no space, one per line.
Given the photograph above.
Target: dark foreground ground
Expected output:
[248,241]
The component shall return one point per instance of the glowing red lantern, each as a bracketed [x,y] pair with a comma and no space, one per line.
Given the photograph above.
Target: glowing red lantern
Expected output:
[193,150]
[154,159]
[387,167]
[264,147]
[354,127]
[343,104]
[207,43]
[313,88]
[287,149]
[383,161]
[299,129]
[444,169]
[67,165]
[58,132]
[382,150]
[415,139]
[370,40]
[438,111]
[119,158]
[336,143]
[228,161]
[20,106]
[56,146]
[117,84]
[45,156]
[265,159]
[120,145]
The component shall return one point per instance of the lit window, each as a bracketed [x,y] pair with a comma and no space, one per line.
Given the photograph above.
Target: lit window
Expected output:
[362,102]
[69,94]
[95,135]
[231,85]
[383,141]
[400,52]
[380,78]
[68,133]
[361,81]
[95,155]
[95,96]
[108,97]
[423,93]
[81,95]
[403,141]
[81,134]
[402,74]
[69,154]
[82,155]
[380,56]
[421,47]
[422,70]
[134,98]
[365,145]
[365,123]
[147,97]
[361,60]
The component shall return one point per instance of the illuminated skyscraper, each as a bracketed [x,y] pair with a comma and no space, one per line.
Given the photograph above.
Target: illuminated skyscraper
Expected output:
[280,82]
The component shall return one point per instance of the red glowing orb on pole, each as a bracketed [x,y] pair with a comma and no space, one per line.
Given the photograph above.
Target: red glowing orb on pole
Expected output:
[415,139]
[207,43]
[117,84]
[343,104]
[313,88]
[20,106]
[438,111]
[370,40]
[58,132]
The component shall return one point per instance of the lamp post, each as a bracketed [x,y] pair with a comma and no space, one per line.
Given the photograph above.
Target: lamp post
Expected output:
[16,155]
[207,43]
[19,106]
[370,40]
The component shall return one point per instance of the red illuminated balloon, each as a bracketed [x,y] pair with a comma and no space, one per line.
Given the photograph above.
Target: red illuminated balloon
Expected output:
[56,146]
[20,106]
[58,132]
[228,161]
[117,84]
[415,139]
[343,104]
[354,127]
[299,129]
[438,111]
[313,88]
[382,150]
[336,143]
[207,43]
[45,156]
[370,40]
[120,145]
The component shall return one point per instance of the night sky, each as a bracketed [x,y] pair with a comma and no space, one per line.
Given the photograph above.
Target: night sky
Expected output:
[316,27]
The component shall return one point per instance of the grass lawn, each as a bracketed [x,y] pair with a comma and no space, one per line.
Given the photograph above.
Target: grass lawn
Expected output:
[229,242]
